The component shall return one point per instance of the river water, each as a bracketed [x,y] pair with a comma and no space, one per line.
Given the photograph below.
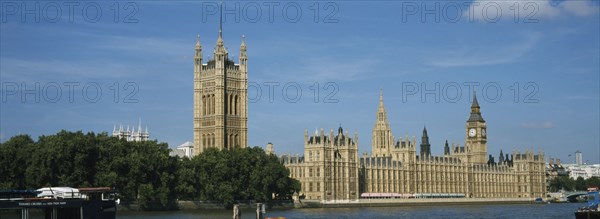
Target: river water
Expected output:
[511,211]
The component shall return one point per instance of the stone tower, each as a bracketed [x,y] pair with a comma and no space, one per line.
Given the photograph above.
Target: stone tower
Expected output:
[425,146]
[476,135]
[220,98]
[383,141]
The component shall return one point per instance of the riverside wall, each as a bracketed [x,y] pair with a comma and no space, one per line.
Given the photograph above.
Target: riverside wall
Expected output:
[412,202]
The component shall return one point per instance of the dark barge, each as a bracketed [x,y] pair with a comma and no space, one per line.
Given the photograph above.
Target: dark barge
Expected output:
[59,203]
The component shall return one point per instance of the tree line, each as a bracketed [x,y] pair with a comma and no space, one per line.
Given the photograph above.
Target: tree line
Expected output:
[142,171]
[569,184]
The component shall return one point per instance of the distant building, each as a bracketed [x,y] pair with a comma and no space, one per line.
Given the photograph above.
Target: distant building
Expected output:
[270,148]
[584,171]
[578,158]
[184,150]
[554,170]
[133,134]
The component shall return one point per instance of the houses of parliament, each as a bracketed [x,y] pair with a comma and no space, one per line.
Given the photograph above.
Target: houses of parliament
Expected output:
[331,168]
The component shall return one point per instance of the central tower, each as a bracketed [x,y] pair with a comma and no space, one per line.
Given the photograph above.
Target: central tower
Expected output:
[383,140]
[220,98]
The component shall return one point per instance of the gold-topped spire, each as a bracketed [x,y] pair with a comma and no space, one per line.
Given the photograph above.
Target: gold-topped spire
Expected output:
[220,45]
[221,20]
[198,41]
[243,46]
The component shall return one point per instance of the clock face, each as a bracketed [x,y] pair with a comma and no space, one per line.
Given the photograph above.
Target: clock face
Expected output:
[483,132]
[472,132]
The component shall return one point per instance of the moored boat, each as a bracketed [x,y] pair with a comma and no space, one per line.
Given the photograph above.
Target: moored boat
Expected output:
[59,202]
[590,211]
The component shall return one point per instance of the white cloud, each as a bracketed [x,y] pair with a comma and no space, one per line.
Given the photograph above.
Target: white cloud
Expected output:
[484,54]
[327,69]
[534,125]
[525,10]
[311,66]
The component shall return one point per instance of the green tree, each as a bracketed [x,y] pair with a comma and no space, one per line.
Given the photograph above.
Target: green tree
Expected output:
[580,184]
[13,161]
[562,182]
[593,181]
[188,186]
[227,176]
[142,171]
[75,159]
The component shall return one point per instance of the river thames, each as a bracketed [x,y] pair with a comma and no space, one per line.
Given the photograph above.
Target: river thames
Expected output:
[512,211]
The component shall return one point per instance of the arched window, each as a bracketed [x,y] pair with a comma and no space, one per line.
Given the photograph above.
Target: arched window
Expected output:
[236,141]
[235,104]
[203,105]
[229,106]
[212,106]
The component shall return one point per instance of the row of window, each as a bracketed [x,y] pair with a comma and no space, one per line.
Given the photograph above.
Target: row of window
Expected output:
[233,140]
[231,107]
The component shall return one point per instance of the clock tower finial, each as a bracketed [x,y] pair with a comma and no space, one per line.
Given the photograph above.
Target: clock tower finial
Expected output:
[475,104]
[475,110]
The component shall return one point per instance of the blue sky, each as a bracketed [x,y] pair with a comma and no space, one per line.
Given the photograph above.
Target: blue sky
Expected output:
[543,57]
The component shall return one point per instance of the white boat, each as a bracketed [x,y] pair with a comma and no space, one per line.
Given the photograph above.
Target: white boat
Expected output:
[58,192]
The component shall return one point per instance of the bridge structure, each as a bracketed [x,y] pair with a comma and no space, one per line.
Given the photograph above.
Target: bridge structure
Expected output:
[572,196]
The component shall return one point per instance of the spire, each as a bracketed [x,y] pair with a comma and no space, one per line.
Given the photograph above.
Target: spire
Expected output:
[221,20]
[198,41]
[475,110]
[425,146]
[446,148]
[220,47]
[383,140]
[475,104]
[381,114]
[243,47]
[380,96]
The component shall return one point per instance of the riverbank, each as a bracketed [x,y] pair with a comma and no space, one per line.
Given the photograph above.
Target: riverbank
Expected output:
[288,204]
[413,202]
[207,205]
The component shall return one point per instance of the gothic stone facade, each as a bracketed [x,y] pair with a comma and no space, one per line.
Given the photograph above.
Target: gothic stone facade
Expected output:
[331,170]
[220,99]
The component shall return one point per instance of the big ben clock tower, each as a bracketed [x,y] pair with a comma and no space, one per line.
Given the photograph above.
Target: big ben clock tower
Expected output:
[476,140]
